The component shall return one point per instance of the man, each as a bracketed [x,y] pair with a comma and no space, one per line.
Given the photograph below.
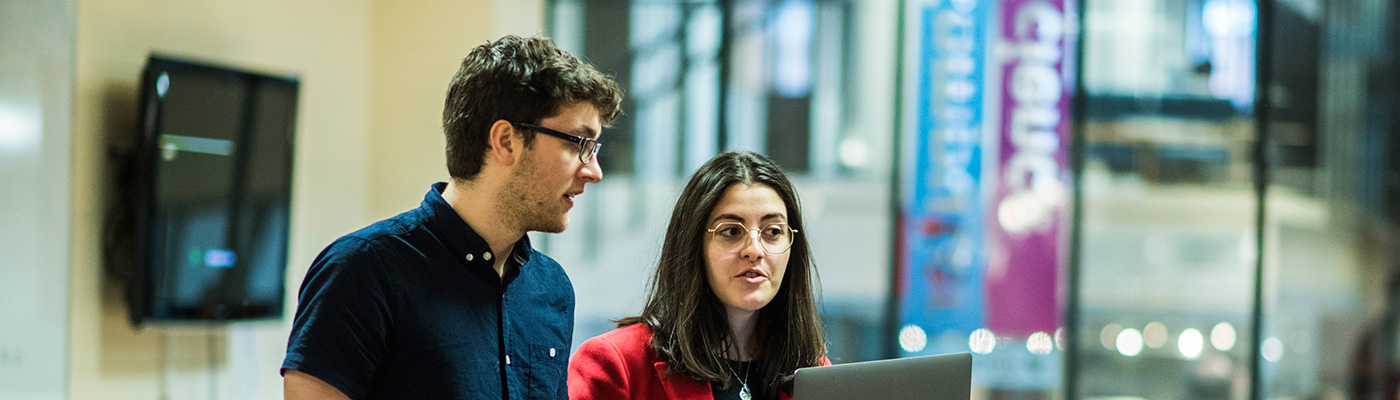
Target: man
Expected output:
[449,301]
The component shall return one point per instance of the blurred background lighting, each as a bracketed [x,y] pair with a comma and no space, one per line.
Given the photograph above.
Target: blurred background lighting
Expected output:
[854,154]
[1190,343]
[982,341]
[912,338]
[1272,349]
[1109,334]
[1129,342]
[1154,335]
[1222,336]
[1040,343]
[1229,17]
[17,129]
[793,42]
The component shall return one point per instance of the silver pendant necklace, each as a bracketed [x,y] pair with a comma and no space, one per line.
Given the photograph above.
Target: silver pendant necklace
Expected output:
[743,382]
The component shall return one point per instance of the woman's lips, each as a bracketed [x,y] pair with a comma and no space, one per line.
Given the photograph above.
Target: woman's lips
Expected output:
[753,276]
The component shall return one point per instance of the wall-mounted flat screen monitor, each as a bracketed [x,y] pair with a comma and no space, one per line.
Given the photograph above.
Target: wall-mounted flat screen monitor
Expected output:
[215,174]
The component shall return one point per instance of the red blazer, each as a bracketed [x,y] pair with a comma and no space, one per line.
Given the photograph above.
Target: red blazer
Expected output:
[621,365]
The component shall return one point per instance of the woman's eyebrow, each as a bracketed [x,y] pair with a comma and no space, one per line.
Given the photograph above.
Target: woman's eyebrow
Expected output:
[726,216]
[773,216]
[735,217]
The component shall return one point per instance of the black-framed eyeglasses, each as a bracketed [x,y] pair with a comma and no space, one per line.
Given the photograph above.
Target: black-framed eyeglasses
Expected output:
[587,148]
[732,236]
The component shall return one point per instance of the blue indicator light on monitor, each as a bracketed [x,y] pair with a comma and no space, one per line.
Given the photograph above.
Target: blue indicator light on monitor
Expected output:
[219,258]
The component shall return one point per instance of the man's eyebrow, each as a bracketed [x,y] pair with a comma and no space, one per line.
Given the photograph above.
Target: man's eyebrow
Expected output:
[585,131]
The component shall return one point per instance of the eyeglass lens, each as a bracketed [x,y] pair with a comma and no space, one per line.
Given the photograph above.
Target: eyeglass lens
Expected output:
[588,150]
[775,238]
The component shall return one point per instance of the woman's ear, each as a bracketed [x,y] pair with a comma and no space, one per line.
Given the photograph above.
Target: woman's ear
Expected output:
[502,146]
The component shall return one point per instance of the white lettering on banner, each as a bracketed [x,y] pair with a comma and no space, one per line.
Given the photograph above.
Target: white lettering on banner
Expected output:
[1032,175]
[953,90]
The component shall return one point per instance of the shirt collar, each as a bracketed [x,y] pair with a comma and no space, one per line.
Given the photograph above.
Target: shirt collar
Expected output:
[464,242]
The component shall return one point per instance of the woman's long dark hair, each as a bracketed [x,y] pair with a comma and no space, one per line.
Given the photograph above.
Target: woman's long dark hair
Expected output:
[689,324]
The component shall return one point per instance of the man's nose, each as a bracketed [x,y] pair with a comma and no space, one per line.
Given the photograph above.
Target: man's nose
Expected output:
[593,171]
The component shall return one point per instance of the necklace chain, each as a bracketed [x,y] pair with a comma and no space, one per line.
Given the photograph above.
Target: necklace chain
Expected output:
[743,382]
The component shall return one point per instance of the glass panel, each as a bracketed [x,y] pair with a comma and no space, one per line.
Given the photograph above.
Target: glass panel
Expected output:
[38,171]
[808,83]
[984,189]
[1168,215]
[1329,252]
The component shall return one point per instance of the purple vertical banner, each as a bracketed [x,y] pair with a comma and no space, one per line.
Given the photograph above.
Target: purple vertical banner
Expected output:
[941,262]
[1027,218]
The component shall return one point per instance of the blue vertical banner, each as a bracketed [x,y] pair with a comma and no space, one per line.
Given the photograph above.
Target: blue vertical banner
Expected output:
[941,262]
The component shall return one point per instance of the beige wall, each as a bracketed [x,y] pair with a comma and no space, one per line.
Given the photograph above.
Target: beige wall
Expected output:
[373,76]
[418,47]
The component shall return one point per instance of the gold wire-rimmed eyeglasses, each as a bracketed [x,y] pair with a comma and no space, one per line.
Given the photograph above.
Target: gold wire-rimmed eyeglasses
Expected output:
[732,236]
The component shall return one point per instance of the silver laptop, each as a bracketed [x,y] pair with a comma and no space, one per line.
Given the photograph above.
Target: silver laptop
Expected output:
[938,377]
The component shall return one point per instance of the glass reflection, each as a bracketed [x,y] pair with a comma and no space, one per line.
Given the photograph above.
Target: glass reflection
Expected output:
[1167,131]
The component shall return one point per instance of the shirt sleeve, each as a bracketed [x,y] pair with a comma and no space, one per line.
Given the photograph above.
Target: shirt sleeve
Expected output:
[598,372]
[340,331]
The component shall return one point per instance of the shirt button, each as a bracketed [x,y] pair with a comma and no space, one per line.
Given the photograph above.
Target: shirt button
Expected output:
[507,359]
[469,257]
[551,352]
[486,256]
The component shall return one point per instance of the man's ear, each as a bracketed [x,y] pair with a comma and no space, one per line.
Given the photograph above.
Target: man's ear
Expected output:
[502,146]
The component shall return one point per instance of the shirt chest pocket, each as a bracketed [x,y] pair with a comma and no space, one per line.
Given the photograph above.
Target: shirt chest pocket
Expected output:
[548,365]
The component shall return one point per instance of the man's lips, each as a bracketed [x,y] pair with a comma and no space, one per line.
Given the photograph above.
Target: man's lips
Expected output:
[569,197]
[571,194]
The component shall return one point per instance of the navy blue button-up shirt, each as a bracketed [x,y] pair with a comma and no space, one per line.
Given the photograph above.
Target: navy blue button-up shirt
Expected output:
[410,307]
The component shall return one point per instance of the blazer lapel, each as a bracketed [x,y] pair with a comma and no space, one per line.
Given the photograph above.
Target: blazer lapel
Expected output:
[679,387]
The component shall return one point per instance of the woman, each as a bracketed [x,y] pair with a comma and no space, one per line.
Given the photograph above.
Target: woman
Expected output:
[731,313]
